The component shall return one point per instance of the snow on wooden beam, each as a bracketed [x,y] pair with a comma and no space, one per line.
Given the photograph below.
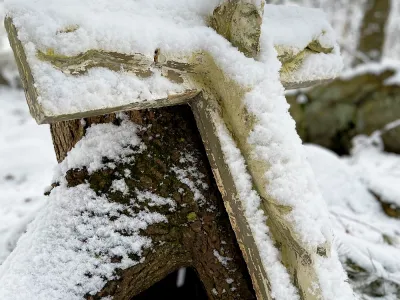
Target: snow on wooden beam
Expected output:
[62,86]
[141,66]
[236,94]
[222,114]
[207,113]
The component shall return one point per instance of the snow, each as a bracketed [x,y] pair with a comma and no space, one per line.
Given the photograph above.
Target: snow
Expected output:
[376,68]
[172,26]
[222,259]
[346,17]
[192,178]
[280,280]
[364,234]
[73,235]
[175,27]
[311,25]
[155,200]
[27,160]
[290,182]
[104,140]
[360,227]
[293,28]
[119,185]
[100,88]
[379,171]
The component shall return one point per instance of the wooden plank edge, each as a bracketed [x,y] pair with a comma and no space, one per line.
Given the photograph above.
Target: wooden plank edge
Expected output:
[25,71]
[172,100]
[206,124]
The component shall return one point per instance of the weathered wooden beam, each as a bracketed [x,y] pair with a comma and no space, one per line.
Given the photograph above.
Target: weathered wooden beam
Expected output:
[177,69]
[139,65]
[296,256]
[207,113]
[24,69]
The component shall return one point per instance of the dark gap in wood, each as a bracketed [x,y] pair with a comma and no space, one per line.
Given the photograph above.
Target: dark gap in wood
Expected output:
[192,288]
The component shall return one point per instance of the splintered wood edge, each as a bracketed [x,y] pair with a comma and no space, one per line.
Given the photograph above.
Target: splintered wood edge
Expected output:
[206,123]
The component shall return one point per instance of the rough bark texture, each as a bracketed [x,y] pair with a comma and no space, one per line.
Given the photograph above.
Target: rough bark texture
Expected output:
[372,33]
[196,232]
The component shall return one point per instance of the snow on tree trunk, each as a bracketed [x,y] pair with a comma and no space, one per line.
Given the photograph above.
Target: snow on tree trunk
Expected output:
[140,207]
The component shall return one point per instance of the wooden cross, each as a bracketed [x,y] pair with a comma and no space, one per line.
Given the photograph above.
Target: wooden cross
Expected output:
[217,102]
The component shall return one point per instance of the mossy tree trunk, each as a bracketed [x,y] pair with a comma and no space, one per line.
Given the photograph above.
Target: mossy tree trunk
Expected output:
[198,233]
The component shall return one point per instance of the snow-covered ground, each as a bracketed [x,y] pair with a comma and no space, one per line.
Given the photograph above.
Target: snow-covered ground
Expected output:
[26,162]
[368,241]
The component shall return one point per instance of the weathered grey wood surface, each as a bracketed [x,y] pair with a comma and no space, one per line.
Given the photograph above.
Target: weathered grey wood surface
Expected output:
[140,65]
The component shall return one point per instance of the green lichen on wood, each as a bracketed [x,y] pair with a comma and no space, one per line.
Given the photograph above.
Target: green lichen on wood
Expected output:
[68,29]
[240,23]
[318,48]
[292,59]
[80,64]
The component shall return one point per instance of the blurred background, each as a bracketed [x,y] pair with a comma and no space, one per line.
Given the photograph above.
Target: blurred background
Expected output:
[350,127]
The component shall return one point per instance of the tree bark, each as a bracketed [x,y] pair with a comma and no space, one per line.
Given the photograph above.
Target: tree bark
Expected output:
[372,33]
[197,234]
